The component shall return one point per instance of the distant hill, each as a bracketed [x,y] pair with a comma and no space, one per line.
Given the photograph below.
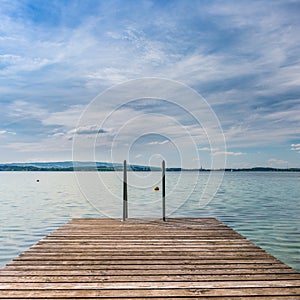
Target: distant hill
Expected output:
[264,169]
[69,166]
[72,166]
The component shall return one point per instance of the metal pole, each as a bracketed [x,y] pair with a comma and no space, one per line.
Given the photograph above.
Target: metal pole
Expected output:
[164,190]
[125,196]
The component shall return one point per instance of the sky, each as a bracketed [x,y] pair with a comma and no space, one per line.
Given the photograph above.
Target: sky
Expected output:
[70,71]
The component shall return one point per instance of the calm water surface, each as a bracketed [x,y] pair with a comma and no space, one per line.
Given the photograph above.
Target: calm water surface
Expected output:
[264,207]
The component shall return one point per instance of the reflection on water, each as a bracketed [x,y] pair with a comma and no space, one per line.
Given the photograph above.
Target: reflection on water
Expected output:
[264,207]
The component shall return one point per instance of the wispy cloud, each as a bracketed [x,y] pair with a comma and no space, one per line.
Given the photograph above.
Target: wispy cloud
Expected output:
[158,143]
[217,151]
[278,163]
[21,109]
[88,130]
[5,132]
[295,147]
[230,153]
[208,149]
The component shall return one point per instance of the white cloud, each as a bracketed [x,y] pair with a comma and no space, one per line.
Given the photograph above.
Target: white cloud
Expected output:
[158,143]
[21,109]
[55,144]
[88,130]
[278,163]
[67,118]
[295,147]
[208,149]
[217,151]
[108,76]
[6,132]
[229,153]
[16,64]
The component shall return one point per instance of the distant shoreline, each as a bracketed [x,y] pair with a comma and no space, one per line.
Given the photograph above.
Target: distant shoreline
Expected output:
[131,168]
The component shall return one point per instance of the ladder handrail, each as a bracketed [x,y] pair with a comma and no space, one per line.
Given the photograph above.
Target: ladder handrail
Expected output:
[164,190]
[125,191]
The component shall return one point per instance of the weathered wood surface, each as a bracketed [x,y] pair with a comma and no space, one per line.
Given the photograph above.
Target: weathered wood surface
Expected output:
[140,259]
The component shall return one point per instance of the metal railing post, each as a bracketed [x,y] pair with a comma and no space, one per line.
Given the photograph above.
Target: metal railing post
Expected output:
[164,190]
[125,196]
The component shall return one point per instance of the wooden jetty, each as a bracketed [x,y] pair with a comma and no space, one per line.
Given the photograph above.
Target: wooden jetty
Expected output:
[147,258]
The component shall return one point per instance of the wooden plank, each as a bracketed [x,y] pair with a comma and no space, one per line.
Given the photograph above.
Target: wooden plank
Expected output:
[142,256]
[145,278]
[147,258]
[147,267]
[151,292]
[154,285]
[266,297]
[144,272]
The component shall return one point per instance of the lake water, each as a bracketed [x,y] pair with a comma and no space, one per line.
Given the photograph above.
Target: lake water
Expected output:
[264,207]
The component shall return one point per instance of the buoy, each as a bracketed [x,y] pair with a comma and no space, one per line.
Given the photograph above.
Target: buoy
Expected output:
[156,188]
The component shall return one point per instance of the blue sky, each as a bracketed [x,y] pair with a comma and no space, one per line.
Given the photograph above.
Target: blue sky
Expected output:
[241,56]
